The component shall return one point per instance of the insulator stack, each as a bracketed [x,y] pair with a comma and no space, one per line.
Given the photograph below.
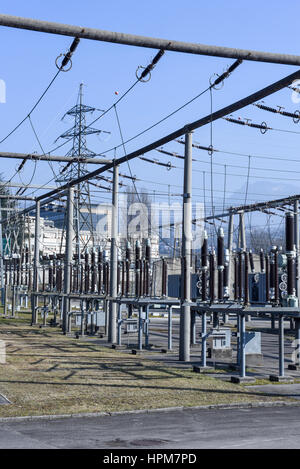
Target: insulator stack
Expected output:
[246,275]
[226,274]
[204,252]
[289,232]
[137,268]
[123,278]
[240,275]
[164,277]
[86,273]
[204,266]
[220,262]
[94,271]
[290,252]
[267,279]
[262,261]
[100,268]
[251,261]
[276,286]
[212,276]
[272,274]
[290,276]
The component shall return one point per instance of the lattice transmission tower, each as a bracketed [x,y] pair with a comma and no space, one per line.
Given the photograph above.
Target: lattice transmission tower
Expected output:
[83,216]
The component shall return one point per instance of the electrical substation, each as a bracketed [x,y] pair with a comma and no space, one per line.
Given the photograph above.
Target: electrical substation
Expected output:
[112,287]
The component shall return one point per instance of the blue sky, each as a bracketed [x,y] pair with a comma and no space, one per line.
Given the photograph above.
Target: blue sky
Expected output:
[28,64]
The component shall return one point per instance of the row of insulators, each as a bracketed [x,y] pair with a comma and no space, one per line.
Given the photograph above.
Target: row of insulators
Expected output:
[242,261]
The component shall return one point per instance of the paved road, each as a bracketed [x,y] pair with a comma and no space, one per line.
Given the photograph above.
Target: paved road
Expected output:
[276,427]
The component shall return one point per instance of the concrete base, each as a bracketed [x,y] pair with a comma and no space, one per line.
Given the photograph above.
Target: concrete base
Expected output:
[241,380]
[281,379]
[294,367]
[202,369]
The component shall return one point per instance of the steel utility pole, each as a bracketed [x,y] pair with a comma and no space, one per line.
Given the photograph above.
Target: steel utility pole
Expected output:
[185,315]
[296,236]
[112,329]
[36,263]
[143,41]
[68,257]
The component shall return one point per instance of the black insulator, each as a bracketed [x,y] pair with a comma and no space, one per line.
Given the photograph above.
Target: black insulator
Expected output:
[204,253]
[267,279]
[128,252]
[50,277]
[153,63]
[148,252]
[158,56]
[137,278]
[220,250]
[26,254]
[137,253]
[228,71]
[164,277]
[251,261]
[290,276]
[220,284]
[226,275]
[276,286]
[235,121]
[235,64]
[68,55]
[272,274]
[100,255]
[262,260]
[203,285]
[141,278]
[246,279]
[289,232]
[127,277]
[212,277]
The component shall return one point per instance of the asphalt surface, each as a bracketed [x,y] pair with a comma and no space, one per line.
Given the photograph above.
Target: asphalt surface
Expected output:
[256,428]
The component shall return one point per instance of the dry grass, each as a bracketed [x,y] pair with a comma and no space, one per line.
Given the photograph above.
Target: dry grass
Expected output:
[48,373]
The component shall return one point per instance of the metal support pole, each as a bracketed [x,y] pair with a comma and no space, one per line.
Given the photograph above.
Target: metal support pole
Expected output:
[170,313]
[281,344]
[1,258]
[297,244]
[140,330]
[203,339]
[144,41]
[297,350]
[112,333]
[147,327]
[36,263]
[238,339]
[193,328]
[68,259]
[242,347]
[119,325]
[185,316]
